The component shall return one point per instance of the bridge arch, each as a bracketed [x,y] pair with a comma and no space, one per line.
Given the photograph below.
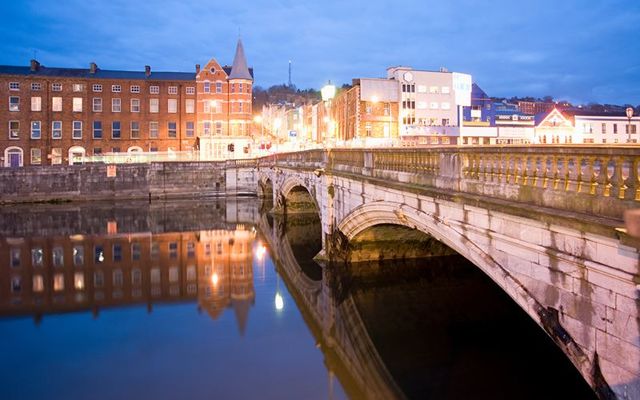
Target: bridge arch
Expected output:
[295,195]
[382,212]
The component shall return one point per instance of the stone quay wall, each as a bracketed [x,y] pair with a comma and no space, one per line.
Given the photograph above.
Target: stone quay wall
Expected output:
[126,181]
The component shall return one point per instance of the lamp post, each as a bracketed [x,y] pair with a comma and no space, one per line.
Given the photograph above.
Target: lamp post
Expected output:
[629,112]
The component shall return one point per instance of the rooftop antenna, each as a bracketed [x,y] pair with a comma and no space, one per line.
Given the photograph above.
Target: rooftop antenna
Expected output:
[290,73]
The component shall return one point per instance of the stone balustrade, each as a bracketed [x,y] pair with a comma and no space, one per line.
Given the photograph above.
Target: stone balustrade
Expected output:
[603,181]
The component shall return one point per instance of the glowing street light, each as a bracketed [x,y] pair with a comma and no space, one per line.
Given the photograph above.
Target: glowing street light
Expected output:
[328,92]
[215,279]
[629,112]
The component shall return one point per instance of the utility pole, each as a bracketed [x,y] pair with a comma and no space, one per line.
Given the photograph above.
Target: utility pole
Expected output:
[290,73]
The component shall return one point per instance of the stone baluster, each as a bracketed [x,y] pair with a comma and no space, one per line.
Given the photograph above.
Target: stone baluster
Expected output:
[616,182]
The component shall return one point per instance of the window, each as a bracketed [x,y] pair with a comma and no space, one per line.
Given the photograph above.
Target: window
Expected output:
[218,127]
[14,85]
[190,90]
[98,279]
[77,130]
[239,106]
[172,130]
[78,280]
[445,90]
[135,251]
[190,105]
[116,105]
[630,129]
[97,104]
[36,130]
[56,87]
[433,105]
[14,103]
[173,250]
[97,129]
[56,104]
[207,128]
[604,128]
[433,89]
[77,104]
[78,256]
[173,90]
[15,257]
[36,86]
[135,130]
[207,87]
[136,277]
[153,129]
[135,105]
[117,252]
[233,88]
[58,282]
[367,108]
[615,128]
[98,254]
[422,89]
[239,87]
[173,274]
[218,87]
[115,149]
[445,106]
[38,283]
[58,256]
[135,89]
[154,105]
[56,155]
[172,106]
[77,87]
[367,128]
[154,89]
[56,130]
[116,88]
[97,88]
[14,129]
[97,151]
[115,130]
[155,250]
[206,107]
[36,103]
[190,129]
[36,156]
[155,275]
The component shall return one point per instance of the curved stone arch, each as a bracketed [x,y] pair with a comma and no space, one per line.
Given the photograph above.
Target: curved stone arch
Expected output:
[294,181]
[382,212]
[18,152]
[76,155]
[263,182]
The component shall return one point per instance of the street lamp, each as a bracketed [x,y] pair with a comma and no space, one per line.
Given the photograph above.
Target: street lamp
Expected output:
[629,112]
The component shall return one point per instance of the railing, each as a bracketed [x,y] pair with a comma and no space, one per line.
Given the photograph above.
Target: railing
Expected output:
[602,181]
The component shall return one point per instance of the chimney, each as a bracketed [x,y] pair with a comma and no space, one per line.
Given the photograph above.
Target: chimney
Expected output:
[197,68]
[147,70]
[35,65]
[93,67]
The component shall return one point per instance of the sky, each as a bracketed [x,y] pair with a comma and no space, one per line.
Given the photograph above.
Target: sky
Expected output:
[577,50]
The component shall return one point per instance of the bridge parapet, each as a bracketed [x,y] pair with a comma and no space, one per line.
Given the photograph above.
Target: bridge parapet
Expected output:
[602,181]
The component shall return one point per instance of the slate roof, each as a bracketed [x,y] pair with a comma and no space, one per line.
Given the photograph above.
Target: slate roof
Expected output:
[239,69]
[84,73]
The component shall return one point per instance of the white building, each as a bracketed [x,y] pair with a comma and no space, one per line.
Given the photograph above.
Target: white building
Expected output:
[606,129]
[430,104]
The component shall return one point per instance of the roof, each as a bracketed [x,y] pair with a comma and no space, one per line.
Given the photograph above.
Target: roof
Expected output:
[227,70]
[239,69]
[54,72]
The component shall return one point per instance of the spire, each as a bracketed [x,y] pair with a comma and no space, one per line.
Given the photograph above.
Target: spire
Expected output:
[239,70]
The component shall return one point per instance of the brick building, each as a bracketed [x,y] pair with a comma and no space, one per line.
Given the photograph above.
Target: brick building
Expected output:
[70,115]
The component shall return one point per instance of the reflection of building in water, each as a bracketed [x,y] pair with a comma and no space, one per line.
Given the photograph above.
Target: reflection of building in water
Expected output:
[78,272]
[225,272]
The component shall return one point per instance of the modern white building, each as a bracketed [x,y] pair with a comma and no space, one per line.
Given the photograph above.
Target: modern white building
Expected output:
[606,129]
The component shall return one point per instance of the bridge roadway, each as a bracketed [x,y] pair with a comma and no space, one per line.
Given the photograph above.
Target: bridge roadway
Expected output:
[544,223]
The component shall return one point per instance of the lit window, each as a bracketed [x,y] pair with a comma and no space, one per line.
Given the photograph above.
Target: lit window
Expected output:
[15,257]
[36,103]
[190,90]
[98,254]
[14,129]
[37,257]
[36,156]
[445,90]
[135,89]
[153,129]
[190,106]
[56,87]
[36,86]
[38,283]
[97,87]
[58,282]
[173,90]
[173,274]
[116,105]
[78,256]
[58,256]
[154,105]
[14,85]
[445,106]
[116,88]
[78,280]
[14,103]
[154,89]
[135,105]
[77,87]
[172,106]
[56,129]
[77,104]
[433,89]
[56,155]
[155,275]
[433,105]
[56,104]
[36,130]
[77,130]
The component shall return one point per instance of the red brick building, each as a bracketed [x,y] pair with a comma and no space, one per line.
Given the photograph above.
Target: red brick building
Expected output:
[68,115]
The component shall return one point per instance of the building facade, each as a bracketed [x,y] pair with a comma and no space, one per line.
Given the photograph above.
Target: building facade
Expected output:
[72,115]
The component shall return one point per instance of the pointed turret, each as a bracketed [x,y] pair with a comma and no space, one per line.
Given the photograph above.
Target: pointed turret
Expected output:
[239,69]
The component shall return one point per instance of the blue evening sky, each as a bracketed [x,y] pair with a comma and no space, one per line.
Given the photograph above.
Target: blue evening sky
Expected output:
[580,50]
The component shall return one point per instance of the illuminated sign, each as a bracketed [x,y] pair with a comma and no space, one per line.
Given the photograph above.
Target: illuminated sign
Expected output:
[462,88]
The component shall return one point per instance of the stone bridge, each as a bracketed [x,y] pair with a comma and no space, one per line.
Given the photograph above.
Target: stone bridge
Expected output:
[544,223]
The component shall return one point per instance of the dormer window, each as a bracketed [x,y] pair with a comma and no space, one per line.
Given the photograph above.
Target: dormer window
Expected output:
[213,70]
